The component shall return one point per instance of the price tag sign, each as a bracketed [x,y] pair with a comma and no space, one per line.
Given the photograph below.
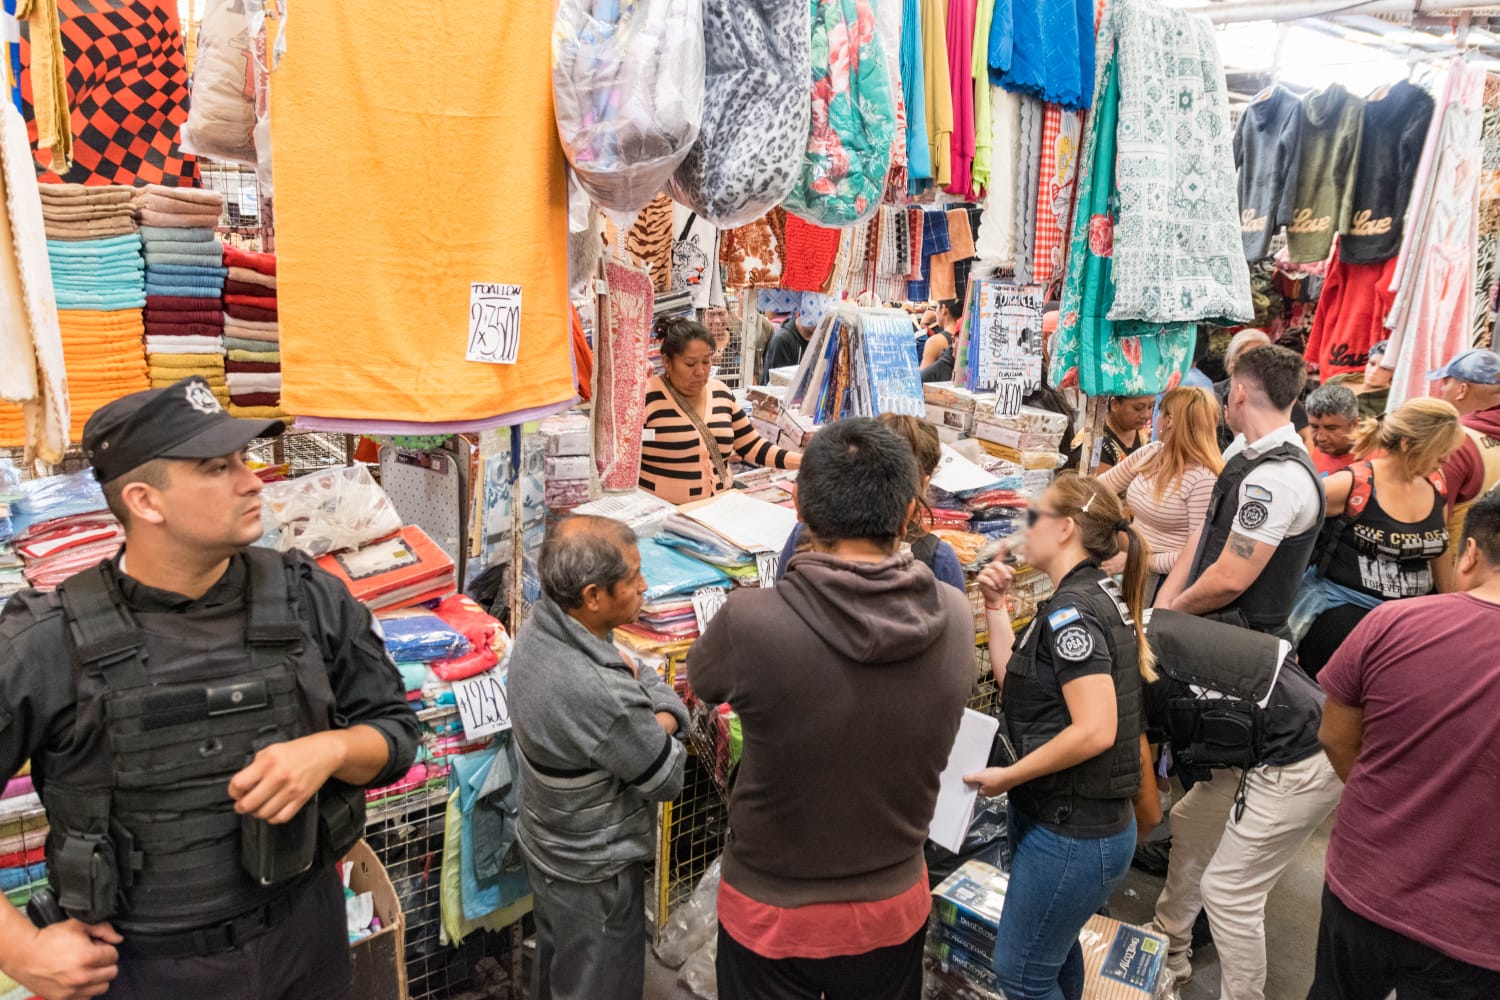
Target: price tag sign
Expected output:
[706,603]
[494,323]
[766,565]
[1009,392]
[482,705]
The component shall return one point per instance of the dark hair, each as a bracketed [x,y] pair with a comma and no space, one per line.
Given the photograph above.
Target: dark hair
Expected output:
[580,552]
[858,480]
[676,334]
[152,473]
[1276,371]
[1378,349]
[1482,524]
[1201,338]
[955,307]
[927,448]
[1333,401]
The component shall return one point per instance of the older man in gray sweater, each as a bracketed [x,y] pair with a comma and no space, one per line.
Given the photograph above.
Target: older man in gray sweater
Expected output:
[596,744]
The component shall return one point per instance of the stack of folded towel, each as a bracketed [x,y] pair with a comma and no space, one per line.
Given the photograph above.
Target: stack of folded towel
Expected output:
[98,278]
[184,285]
[252,338]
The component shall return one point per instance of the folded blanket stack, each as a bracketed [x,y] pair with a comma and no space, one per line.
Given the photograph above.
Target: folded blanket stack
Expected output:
[98,278]
[252,337]
[185,275]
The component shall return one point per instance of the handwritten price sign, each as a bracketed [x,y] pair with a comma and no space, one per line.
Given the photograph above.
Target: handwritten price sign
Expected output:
[482,705]
[494,323]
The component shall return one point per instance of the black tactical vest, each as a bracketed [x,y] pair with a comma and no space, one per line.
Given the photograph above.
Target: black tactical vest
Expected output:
[1035,713]
[1267,603]
[143,830]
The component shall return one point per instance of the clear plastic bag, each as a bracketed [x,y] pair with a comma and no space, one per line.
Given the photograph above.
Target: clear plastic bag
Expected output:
[327,512]
[700,974]
[627,83]
[693,924]
[52,497]
[417,637]
[221,116]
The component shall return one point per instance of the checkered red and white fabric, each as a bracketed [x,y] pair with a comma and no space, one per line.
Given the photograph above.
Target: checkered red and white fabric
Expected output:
[1062,135]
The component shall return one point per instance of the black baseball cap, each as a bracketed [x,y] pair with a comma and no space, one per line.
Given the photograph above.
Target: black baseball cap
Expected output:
[184,420]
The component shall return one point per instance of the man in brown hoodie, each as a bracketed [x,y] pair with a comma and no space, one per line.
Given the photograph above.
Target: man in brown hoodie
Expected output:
[849,679]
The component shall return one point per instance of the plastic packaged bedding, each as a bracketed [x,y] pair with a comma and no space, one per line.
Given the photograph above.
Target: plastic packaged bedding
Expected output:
[419,636]
[669,573]
[627,84]
[221,117]
[50,498]
[327,512]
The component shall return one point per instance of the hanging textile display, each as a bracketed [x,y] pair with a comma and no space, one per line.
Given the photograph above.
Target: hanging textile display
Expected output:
[49,87]
[129,84]
[1392,134]
[430,279]
[1177,250]
[1110,358]
[1062,134]
[848,157]
[627,83]
[757,104]
[221,120]
[1430,321]
[997,237]
[695,256]
[889,15]
[30,338]
[649,241]
[979,81]
[1265,154]
[624,369]
[1487,268]
[1028,183]
[1350,318]
[961,17]
[1044,48]
[937,85]
[1328,151]
[752,253]
[811,254]
[914,93]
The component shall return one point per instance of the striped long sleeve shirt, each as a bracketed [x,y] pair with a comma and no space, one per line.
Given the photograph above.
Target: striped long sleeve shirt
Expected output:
[675,466]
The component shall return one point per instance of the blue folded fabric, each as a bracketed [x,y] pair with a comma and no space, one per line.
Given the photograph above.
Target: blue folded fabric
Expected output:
[182,291]
[198,248]
[87,248]
[195,235]
[669,573]
[183,259]
[101,276]
[16,878]
[68,298]
[204,271]
[109,286]
[130,260]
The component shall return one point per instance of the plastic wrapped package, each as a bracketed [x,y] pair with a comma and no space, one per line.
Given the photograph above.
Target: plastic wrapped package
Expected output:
[693,924]
[52,498]
[699,974]
[482,630]
[419,636]
[645,513]
[627,84]
[566,435]
[221,117]
[326,512]
[1032,429]
[669,573]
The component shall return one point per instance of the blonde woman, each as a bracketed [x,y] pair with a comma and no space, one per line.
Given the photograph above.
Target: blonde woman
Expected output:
[1074,713]
[1169,482]
[1385,531]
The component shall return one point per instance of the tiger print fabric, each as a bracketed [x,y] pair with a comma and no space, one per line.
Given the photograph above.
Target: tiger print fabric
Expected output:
[649,242]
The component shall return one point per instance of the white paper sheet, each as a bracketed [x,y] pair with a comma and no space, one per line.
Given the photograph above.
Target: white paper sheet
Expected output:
[957,474]
[955,804]
[753,525]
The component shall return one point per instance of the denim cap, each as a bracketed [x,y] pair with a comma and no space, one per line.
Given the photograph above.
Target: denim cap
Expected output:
[1476,365]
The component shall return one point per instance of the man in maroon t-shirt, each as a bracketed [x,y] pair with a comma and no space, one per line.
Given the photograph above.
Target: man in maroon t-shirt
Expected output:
[1412,725]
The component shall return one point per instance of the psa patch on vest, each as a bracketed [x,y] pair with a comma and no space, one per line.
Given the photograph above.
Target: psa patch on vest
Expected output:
[1254,514]
[1074,644]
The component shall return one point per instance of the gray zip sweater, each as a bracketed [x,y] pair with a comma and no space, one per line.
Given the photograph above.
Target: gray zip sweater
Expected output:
[1265,151]
[590,754]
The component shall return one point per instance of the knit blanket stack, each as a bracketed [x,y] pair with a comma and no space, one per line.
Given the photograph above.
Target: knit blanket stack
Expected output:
[185,276]
[252,335]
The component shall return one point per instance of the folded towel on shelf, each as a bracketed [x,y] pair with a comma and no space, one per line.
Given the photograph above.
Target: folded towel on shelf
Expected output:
[185,361]
[183,345]
[179,220]
[265,326]
[186,330]
[190,195]
[253,399]
[174,234]
[201,316]
[88,230]
[241,344]
[156,258]
[231,366]
[89,248]
[169,244]
[52,212]
[265,357]
[69,299]
[199,272]
[232,286]
[267,302]
[251,313]
[246,276]
[69,194]
[255,412]
[178,289]
[264,263]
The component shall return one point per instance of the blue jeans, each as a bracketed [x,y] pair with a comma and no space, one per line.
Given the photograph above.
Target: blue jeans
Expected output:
[1056,884]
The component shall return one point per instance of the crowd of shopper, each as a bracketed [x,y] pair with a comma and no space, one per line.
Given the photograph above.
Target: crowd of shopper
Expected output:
[1175,624]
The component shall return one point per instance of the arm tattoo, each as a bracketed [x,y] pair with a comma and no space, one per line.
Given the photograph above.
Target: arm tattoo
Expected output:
[1240,545]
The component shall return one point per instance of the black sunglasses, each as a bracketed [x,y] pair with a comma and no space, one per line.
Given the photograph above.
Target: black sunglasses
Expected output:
[1033,515]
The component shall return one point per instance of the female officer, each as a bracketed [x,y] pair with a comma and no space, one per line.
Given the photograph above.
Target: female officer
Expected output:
[1072,699]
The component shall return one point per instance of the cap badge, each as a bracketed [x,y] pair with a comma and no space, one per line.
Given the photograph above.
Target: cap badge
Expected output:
[201,398]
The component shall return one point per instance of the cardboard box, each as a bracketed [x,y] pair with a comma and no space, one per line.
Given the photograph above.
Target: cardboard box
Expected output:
[944,416]
[378,961]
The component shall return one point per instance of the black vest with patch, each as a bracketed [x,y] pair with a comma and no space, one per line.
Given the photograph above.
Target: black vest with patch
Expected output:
[1267,603]
[1036,713]
[143,830]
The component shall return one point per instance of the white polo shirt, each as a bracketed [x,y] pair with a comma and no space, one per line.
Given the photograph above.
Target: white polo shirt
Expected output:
[1277,499]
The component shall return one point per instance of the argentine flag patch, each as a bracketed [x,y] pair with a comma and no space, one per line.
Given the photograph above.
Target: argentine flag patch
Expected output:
[1063,616]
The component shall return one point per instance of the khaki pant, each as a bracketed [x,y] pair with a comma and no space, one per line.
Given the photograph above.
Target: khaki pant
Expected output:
[1229,868]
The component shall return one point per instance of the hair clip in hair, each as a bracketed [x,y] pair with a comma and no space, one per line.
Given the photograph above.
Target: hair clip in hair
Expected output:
[1085,508]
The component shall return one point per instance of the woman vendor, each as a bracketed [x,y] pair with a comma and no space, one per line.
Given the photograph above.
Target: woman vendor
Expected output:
[693,425]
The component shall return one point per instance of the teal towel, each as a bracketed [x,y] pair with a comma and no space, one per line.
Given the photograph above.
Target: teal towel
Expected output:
[102,301]
[87,248]
[199,235]
[124,268]
[183,260]
[211,248]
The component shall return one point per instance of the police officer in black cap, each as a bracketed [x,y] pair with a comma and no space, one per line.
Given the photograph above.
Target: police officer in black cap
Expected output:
[202,718]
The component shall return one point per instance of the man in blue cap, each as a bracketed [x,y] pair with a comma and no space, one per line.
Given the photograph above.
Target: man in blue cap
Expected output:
[1471,382]
[201,717]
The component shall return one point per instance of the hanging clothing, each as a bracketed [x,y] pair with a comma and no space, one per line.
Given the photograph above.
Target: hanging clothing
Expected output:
[1487,257]
[624,369]
[1350,318]
[979,80]
[649,241]
[1044,48]
[1392,134]
[1111,358]
[1328,151]
[752,253]
[914,94]
[997,237]
[1434,277]
[1177,249]
[403,277]
[1028,183]
[1265,154]
[961,17]
[1062,134]
[695,258]
[939,89]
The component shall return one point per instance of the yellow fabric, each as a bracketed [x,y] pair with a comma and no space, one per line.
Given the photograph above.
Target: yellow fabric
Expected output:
[262,357]
[939,89]
[49,81]
[980,72]
[254,412]
[195,361]
[438,169]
